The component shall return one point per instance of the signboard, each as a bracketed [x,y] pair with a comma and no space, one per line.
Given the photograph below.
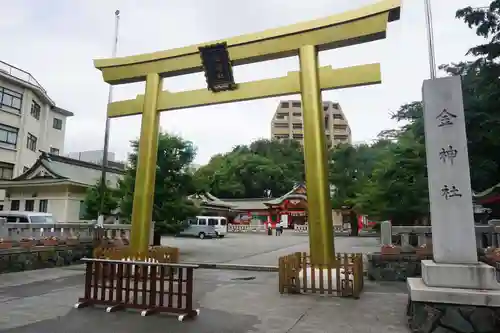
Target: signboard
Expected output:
[453,234]
[217,67]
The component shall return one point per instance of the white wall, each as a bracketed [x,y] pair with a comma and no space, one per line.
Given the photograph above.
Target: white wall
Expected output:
[63,201]
[42,129]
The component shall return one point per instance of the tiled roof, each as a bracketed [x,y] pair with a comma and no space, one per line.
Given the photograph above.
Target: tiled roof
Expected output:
[248,204]
[208,199]
[290,195]
[50,166]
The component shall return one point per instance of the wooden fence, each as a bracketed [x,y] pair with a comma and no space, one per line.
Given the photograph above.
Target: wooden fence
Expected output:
[159,254]
[343,278]
[150,287]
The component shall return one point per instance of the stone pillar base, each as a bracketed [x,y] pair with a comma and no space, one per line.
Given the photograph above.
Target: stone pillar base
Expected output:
[452,310]
[462,276]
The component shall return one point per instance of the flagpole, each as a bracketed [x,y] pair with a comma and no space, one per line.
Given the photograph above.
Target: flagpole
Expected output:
[100,219]
[430,38]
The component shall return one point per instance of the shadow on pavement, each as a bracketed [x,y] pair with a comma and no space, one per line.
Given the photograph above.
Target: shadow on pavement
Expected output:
[96,320]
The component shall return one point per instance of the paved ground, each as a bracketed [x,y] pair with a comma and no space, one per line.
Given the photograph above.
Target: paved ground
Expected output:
[259,249]
[41,301]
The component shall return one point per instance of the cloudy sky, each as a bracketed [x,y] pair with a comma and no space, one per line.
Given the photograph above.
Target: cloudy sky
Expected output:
[56,41]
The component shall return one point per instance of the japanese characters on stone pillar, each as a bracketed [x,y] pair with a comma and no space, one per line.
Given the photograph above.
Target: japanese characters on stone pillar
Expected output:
[450,192]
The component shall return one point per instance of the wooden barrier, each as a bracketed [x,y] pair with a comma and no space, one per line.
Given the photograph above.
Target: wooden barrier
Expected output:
[344,277]
[160,254]
[150,287]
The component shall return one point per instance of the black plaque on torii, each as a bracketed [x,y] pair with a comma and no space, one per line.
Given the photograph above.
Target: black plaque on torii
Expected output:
[218,67]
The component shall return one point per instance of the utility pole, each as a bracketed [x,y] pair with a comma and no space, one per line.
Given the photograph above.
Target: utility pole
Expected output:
[100,219]
[430,38]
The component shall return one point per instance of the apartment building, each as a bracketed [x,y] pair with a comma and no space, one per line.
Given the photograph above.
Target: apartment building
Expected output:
[287,123]
[96,157]
[30,122]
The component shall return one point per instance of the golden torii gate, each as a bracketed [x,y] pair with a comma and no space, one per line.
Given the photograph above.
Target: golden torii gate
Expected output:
[303,39]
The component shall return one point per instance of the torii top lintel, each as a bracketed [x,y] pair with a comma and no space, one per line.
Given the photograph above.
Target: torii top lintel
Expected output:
[358,26]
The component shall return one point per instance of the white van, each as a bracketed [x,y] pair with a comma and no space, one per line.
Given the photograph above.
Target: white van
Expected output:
[27,217]
[219,222]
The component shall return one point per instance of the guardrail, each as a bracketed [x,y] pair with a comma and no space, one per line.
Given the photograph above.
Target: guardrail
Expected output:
[20,74]
[246,228]
[486,235]
[18,231]
[147,286]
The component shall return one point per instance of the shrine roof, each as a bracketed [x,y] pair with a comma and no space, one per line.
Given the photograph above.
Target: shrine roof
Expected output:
[487,195]
[298,192]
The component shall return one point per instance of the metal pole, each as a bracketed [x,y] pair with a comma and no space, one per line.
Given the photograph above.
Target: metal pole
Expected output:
[430,38]
[100,219]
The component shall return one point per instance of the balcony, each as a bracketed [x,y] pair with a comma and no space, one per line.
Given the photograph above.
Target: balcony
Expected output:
[20,74]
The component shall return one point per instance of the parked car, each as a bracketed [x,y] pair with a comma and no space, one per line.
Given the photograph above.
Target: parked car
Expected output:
[219,222]
[198,227]
[27,217]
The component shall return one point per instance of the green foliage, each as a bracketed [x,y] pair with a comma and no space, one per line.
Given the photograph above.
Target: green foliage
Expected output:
[174,182]
[396,185]
[486,22]
[248,171]
[92,201]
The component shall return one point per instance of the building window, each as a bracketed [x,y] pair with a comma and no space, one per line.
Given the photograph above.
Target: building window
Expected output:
[43,205]
[298,136]
[6,171]
[340,137]
[336,106]
[57,124]
[281,115]
[54,151]
[10,99]
[285,105]
[35,110]
[281,136]
[338,116]
[83,210]
[281,125]
[296,104]
[340,127]
[325,107]
[31,142]
[14,205]
[8,135]
[297,114]
[297,126]
[29,205]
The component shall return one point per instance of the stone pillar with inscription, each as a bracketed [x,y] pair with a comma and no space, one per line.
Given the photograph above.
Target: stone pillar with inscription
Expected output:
[454,278]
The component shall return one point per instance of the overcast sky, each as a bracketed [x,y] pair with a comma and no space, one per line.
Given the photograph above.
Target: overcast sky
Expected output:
[56,40]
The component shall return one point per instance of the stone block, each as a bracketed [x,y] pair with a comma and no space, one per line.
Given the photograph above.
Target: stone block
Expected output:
[428,317]
[464,276]
[420,292]
[394,267]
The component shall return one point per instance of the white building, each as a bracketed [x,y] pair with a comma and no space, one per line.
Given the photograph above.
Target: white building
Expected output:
[57,185]
[92,156]
[29,122]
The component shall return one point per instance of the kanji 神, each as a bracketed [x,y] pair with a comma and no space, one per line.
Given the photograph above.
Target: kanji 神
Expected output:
[448,154]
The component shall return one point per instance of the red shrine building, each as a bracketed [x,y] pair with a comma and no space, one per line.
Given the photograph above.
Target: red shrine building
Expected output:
[290,208]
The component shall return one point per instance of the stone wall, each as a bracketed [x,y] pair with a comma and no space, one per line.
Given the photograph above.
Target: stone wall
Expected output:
[23,259]
[394,267]
[451,318]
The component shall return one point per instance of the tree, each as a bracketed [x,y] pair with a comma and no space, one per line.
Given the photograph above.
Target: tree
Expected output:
[351,168]
[92,201]
[486,21]
[173,183]
[250,171]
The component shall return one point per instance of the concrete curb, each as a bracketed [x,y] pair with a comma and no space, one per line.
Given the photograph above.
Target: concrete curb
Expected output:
[234,267]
